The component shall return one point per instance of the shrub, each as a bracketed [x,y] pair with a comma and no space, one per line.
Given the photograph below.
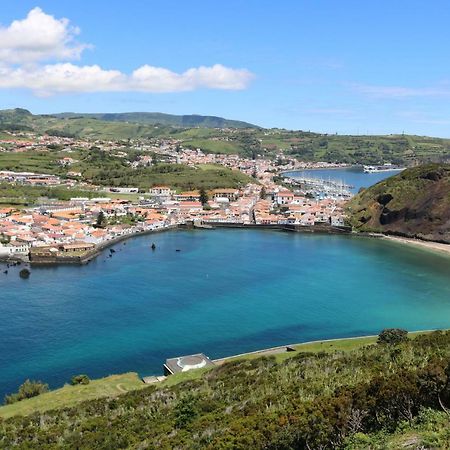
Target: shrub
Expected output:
[27,390]
[80,379]
[392,336]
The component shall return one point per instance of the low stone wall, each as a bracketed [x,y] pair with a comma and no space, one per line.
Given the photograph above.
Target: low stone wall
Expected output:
[320,228]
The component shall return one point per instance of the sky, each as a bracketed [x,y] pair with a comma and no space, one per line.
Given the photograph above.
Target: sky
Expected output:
[347,67]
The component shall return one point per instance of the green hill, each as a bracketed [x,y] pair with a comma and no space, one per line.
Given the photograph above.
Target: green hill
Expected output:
[389,395]
[217,135]
[414,203]
[155,118]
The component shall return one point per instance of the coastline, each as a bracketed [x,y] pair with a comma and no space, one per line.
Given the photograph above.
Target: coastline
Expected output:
[436,247]
[119,384]
[99,248]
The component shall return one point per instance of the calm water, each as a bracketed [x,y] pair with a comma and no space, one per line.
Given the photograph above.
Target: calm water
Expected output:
[353,176]
[225,292]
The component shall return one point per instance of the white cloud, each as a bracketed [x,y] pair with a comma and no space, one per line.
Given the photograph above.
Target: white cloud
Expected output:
[39,37]
[26,44]
[157,79]
[69,78]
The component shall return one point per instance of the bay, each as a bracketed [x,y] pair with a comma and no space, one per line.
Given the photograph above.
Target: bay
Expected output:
[225,292]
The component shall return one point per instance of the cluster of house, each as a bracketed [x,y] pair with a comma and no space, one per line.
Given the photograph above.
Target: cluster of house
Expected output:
[71,227]
[30,178]
[74,226]
[289,208]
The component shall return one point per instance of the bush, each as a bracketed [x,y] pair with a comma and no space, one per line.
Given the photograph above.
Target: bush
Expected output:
[80,379]
[392,336]
[27,390]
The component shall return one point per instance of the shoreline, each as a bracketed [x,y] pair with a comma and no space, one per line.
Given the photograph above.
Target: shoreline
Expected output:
[431,246]
[296,347]
[99,248]
[54,397]
[436,247]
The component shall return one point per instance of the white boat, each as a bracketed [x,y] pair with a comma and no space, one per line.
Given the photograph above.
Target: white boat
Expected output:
[383,168]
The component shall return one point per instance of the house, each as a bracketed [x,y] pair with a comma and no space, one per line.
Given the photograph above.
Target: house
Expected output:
[76,247]
[4,212]
[284,197]
[160,191]
[230,194]
[191,196]
[17,248]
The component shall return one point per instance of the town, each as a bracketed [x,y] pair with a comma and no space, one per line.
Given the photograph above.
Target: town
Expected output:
[54,230]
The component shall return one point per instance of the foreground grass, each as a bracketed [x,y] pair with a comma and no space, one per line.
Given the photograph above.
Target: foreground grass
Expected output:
[66,396]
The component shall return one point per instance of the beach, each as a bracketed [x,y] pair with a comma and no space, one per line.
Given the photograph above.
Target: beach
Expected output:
[429,245]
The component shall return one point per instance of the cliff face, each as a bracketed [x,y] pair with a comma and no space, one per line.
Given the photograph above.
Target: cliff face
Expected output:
[414,203]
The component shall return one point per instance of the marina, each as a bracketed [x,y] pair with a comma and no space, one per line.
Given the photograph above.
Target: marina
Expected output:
[319,188]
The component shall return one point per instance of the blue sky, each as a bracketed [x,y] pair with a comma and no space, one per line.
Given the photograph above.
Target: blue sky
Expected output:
[331,66]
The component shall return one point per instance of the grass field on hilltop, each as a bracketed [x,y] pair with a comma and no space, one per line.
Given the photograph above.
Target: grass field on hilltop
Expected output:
[31,161]
[210,146]
[177,176]
[19,195]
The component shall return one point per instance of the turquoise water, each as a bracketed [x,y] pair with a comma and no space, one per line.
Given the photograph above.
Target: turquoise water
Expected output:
[225,292]
[353,176]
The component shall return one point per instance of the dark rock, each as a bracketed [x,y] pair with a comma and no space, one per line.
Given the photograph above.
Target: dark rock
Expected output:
[24,273]
[384,199]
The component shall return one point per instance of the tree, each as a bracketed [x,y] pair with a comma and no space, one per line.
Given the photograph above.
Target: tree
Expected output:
[392,336]
[101,220]
[27,390]
[203,196]
[80,379]
[263,193]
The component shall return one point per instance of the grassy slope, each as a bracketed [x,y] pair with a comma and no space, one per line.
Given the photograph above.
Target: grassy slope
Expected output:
[262,403]
[40,162]
[107,170]
[420,204]
[163,119]
[304,145]
[180,177]
[106,387]
[68,395]
[210,146]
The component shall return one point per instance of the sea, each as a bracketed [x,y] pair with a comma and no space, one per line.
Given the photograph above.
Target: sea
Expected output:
[219,291]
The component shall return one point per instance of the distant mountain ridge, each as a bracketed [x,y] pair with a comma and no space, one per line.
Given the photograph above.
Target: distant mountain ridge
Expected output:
[155,118]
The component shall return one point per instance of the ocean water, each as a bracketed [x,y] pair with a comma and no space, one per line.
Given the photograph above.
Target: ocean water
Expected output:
[353,176]
[224,292]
